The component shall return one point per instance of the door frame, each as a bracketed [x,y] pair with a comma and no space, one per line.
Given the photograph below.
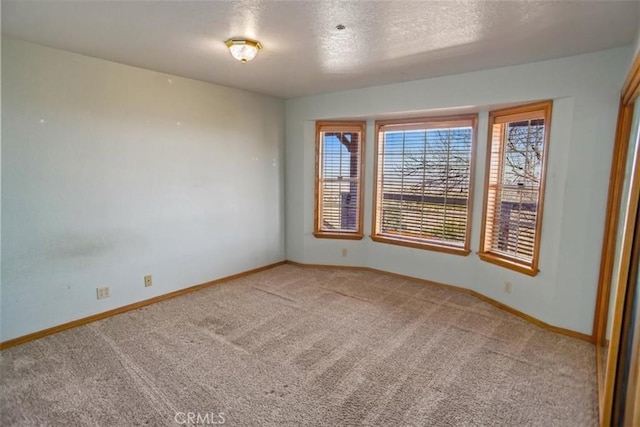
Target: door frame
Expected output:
[607,378]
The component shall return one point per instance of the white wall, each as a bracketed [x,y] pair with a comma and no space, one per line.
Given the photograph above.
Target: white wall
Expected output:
[585,91]
[111,172]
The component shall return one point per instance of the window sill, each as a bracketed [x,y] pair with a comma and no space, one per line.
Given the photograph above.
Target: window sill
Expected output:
[509,263]
[344,236]
[421,245]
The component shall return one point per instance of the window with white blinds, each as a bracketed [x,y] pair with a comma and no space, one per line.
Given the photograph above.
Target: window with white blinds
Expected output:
[338,209]
[424,171]
[514,190]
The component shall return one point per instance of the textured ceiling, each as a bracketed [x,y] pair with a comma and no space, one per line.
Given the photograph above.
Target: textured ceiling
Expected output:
[384,41]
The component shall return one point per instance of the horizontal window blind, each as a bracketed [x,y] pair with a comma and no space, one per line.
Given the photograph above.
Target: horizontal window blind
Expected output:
[424,180]
[515,184]
[339,177]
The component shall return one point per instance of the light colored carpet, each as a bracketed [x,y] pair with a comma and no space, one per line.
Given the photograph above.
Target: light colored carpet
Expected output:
[298,346]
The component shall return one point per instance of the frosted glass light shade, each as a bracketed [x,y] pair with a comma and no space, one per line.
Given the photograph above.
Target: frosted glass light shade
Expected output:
[243,50]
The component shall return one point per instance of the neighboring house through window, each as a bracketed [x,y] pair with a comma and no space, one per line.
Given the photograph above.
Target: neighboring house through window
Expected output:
[339,168]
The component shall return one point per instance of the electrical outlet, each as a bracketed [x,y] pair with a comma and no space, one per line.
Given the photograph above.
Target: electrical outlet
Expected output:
[507,287]
[148,281]
[344,252]
[103,292]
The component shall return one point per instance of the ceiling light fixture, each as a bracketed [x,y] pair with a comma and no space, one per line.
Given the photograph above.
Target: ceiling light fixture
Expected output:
[244,50]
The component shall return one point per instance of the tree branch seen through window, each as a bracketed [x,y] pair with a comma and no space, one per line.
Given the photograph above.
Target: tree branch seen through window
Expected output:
[515,186]
[423,184]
